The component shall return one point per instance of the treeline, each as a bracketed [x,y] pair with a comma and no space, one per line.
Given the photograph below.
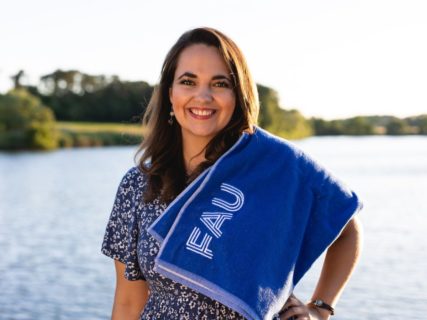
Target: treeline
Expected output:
[28,114]
[371,125]
[76,96]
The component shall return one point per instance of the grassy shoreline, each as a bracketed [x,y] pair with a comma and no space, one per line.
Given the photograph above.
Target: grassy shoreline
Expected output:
[88,134]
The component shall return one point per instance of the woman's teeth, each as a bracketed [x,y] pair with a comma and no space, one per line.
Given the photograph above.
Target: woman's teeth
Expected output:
[202,112]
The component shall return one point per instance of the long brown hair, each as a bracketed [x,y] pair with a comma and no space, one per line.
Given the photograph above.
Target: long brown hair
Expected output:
[161,150]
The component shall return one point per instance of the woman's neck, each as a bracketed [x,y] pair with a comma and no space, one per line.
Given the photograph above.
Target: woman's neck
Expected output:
[194,154]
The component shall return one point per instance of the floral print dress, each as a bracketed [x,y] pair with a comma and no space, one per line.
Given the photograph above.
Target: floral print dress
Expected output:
[127,240]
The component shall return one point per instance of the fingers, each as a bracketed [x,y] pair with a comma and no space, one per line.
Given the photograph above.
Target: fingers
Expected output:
[294,308]
[292,301]
[295,313]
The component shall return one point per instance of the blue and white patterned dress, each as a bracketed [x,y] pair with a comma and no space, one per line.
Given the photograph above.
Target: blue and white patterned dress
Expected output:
[127,240]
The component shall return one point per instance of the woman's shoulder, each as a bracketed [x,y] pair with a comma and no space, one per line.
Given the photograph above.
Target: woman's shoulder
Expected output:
[309,168]
[134,174]
[134,180]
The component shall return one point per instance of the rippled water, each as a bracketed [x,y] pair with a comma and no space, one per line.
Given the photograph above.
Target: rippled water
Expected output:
[54,207]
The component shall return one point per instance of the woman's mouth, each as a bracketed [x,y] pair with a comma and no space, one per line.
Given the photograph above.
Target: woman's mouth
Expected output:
[202,113]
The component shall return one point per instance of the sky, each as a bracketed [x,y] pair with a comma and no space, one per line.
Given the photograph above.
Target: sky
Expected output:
[325,58]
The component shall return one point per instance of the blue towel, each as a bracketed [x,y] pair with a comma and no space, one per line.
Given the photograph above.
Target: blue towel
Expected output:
[250,226]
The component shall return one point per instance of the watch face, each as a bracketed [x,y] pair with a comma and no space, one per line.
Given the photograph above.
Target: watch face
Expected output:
[318,303]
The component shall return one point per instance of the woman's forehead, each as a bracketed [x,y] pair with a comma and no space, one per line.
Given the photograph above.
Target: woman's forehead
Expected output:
[201,59]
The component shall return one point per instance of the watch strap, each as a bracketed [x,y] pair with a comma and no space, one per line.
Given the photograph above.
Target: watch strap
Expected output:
[323,305]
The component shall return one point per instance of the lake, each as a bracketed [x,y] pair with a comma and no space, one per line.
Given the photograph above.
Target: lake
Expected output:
[54,207]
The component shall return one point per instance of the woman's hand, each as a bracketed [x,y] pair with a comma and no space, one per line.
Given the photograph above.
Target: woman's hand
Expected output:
[300,311]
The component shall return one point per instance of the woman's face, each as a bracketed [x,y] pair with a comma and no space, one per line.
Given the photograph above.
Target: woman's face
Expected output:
[202,94]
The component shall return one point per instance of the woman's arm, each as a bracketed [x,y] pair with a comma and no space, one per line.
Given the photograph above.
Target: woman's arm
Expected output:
[340,261]
[130,296]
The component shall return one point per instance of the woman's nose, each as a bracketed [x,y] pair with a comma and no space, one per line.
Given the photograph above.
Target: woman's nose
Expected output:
[204,93]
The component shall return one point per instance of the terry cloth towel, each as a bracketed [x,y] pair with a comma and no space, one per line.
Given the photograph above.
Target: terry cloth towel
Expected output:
[250,226]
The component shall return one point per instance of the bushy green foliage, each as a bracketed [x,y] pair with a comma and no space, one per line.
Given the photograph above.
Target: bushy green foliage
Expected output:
[25,123]
[86,134]
[77,96]
[398,127]
[355,126]
[419,123]
[289,124]
[70,139]
[323,127]
[370,125]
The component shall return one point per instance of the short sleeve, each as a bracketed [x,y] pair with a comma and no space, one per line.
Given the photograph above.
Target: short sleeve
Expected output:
[333,204]
[121,234]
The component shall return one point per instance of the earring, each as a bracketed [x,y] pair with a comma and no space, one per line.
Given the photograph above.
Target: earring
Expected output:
[170,121]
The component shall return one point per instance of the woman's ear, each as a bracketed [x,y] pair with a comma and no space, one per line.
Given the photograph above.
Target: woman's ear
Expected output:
[170,94]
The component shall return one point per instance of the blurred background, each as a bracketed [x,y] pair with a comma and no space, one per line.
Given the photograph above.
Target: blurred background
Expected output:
[344,80]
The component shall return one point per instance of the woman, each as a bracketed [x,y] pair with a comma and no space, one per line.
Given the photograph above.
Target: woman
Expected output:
[205,100]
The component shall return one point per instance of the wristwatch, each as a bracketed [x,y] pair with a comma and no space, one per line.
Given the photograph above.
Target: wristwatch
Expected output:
[323,305]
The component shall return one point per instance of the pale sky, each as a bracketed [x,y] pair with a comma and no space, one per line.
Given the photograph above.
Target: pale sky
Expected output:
[326,58]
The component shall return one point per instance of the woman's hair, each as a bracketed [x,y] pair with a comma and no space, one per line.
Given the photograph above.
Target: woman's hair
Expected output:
[161,150]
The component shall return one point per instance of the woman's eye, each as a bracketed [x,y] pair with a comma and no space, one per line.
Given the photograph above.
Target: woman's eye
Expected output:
[222,84]
[187,82]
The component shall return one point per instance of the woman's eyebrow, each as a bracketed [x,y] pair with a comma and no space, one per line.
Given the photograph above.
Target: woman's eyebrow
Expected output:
[192,75]
[187,74]
[220,77]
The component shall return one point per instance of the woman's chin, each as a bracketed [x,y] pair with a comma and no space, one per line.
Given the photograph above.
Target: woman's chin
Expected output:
[200,134]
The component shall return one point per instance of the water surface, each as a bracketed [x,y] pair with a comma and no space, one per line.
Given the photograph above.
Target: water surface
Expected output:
[54,207]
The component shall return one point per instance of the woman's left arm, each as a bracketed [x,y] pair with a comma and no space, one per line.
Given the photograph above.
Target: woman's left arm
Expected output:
[340,261]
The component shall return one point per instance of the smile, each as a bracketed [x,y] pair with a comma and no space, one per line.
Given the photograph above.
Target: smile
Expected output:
[203,113]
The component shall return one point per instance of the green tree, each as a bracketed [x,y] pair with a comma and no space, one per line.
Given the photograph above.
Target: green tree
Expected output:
[17,79]
[323,127]
[422,124]
[286,123]
[357,126]
[351,126]
[419,123]
[77,96]
[269,105]
[397,126]
[25,123]
[290,124]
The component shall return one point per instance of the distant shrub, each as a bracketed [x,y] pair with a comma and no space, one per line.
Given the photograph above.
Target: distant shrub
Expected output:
[69,138]
[289,124]
[25,123]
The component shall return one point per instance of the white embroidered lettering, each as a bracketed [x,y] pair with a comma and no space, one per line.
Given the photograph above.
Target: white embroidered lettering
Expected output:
[202,247]
[232,207]
[214,220]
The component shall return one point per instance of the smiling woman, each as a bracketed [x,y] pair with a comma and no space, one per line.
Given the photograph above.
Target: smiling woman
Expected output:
[206,86]
[202,97]
[204,151]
